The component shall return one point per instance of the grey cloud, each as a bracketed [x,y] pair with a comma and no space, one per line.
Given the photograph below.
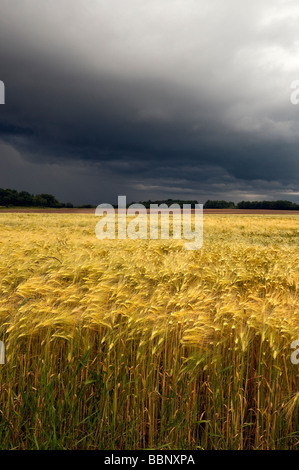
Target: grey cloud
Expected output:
[150,97]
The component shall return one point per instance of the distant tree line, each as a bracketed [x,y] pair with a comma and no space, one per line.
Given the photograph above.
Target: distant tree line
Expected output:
[274,205]
[11,197]
[270,205]
[219,205]
[169,202]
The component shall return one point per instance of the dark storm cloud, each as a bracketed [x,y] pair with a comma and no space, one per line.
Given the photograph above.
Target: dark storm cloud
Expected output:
[150,99]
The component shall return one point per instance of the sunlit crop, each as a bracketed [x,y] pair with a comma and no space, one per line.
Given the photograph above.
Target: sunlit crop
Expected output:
[131,344]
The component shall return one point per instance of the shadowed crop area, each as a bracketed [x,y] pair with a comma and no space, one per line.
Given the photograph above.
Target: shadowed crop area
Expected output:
[140,344]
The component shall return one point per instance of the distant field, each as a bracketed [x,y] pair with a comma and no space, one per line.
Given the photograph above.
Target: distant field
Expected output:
[137,344]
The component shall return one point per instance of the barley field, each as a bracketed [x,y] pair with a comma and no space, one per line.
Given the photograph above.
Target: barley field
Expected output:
[140,344]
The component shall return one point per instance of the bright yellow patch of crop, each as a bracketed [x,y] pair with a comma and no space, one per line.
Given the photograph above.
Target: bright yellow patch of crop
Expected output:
[158,319]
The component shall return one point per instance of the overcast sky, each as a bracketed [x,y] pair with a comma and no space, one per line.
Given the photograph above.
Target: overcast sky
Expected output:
[150,99]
